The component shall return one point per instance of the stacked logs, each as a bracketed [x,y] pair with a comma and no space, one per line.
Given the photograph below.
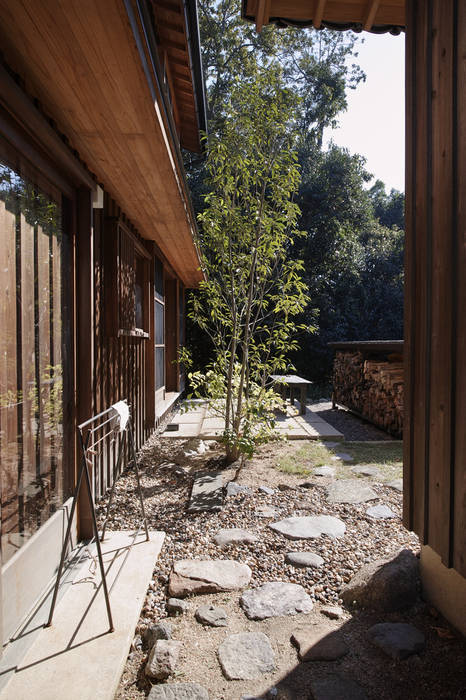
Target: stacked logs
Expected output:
[371,387]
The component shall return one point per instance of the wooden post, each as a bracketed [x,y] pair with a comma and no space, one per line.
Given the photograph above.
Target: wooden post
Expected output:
[85,332]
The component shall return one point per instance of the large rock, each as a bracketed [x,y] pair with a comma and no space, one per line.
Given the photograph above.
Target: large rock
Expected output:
[211,615]
[163,659]
[246,656]
[386,584]
[336,687]
[397,639]
[350,491]
[380,512]
[236,535]
[396,484]
[302,560]
[178,691]
[161,630]
[275,599]
[308,527]
[325,471]
[194,576]
[319,643]
[234,489]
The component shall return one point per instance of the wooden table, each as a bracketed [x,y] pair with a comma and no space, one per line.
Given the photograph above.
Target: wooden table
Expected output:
[292,381]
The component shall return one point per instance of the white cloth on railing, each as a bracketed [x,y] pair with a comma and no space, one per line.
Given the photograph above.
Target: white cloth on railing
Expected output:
[122,409]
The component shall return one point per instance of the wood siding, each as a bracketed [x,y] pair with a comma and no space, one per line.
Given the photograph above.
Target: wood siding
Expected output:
[435,283]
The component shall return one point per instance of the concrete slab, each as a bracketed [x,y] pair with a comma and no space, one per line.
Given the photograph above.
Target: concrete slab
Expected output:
[309,426]
[77,658]
[207,493]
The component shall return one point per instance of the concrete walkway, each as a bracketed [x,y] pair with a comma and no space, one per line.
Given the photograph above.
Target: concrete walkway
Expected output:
[200,422]
[77,658]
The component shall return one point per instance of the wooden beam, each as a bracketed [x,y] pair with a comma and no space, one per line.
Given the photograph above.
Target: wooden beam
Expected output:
[263,14]
[371,12]
[319,13]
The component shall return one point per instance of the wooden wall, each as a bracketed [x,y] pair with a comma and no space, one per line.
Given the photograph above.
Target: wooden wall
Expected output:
[435,283]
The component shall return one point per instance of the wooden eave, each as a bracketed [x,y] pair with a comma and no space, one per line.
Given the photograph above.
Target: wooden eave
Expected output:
[377,16]
[92,75]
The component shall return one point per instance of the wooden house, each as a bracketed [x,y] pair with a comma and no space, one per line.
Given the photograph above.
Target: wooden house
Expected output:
[97,247]
[435,266]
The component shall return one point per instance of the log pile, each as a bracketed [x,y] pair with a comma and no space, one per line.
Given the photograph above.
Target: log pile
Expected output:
[371,387]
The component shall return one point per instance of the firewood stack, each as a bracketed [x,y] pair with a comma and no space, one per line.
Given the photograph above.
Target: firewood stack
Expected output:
[373,388]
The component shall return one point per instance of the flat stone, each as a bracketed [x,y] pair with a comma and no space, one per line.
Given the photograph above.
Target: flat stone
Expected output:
[343,456]
[267,490]
[234,489]
[386,585]
[380,512]
[224,538]
[161,630]
[397,639]
[266,512]
[396,484]
[350,491]
[275,599]
[310,526]
[336,687]
[207,493]
[246,656]
[303,560]
[194,576]
[318,643]
[324,471]
[211,615]
[177,607]
[178,691]
[330,445]
[334,612]
[163,659]
[366,471]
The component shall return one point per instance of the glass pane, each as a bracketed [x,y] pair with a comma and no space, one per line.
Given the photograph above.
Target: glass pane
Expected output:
[159,319]
[159,368]
[158,280]
[31,356]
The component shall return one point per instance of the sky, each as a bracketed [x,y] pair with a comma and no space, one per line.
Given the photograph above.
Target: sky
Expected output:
[373,125]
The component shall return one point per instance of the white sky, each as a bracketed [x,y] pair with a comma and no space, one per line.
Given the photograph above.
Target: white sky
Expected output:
[374,122]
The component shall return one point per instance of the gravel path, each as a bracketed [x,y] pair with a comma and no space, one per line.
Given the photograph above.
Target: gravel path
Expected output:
[167,475]
[352,427]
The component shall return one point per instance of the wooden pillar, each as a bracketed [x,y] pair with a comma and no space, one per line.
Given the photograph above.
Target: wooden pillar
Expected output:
[435,278]
[84,333]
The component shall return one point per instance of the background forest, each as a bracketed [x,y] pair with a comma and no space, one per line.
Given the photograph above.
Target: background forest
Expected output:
[353,243]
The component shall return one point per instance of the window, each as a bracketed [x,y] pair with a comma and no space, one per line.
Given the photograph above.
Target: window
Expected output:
[34,353]
[126,282]
[159,312]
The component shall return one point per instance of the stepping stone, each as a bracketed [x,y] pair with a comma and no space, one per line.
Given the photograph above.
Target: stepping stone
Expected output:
[397,639]
[336,687]
[318,643]
[303,560]
[396,484]
[387,585]
[178,691]
[324,471]
[343,456]
[310,526]
[212,616]
[177,607]
[207,493]
[163,659]
[234,489]
[161,630]
[275,599]
[194,576]
[334,612]
[350,491]
[330,445]
[266,512]
[380,512]
[246,656]
[267,490]
[224,538]
[366,471]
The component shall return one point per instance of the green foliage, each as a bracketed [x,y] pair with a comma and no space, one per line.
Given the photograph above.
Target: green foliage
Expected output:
[389,209]
[252,289]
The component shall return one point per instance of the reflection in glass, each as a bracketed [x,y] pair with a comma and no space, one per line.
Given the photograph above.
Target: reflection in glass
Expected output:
[31,355]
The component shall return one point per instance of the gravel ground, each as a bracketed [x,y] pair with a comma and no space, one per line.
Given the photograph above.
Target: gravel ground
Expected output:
[167,476]
[351,426]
